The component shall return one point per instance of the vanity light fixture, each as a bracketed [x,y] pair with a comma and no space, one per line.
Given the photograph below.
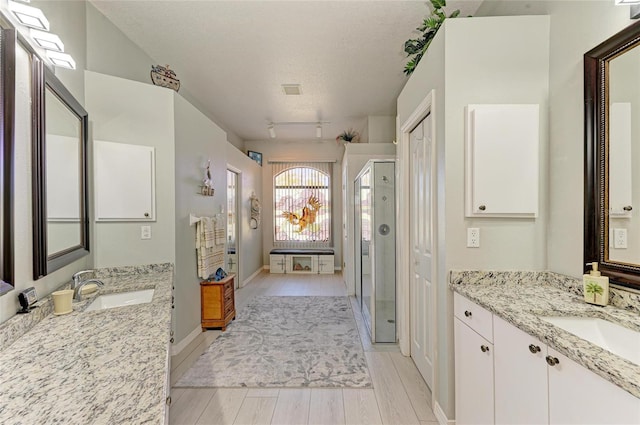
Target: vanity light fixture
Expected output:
[62,60]
[319,131]
[272,131]
[29,16]
[47,40]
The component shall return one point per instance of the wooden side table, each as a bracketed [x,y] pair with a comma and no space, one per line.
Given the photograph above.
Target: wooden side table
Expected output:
[217,303]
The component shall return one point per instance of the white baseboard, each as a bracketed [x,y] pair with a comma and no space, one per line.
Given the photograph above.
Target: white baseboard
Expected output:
[177,348]
[441,416]
[256,273]
[266,267]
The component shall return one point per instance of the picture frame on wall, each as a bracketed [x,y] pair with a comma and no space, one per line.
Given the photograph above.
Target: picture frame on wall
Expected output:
[256,156]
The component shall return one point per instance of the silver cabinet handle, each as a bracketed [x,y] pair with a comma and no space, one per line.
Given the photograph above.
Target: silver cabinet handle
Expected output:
[482,207]
[534,348]
[467,313]
[552,361]
[484,348]
[628,208]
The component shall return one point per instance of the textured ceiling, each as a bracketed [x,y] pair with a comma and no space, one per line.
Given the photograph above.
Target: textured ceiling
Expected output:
[233,57]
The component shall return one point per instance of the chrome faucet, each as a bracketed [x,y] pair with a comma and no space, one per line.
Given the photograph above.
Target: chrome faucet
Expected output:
[77,277]
[78,283]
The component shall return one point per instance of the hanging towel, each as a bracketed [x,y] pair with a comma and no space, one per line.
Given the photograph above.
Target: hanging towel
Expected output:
[209,233]
[209,257]
[219,230]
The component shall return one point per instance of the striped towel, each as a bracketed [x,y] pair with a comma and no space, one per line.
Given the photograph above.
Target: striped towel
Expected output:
[209,256]
[219,230]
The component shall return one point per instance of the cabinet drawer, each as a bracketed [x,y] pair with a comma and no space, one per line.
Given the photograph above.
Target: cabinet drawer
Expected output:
[476,317]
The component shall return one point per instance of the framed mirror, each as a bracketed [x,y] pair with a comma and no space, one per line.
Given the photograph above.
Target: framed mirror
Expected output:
[60,201]
[612,157]
[7,111]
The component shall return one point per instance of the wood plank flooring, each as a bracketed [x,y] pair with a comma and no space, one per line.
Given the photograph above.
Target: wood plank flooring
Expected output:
[399,396]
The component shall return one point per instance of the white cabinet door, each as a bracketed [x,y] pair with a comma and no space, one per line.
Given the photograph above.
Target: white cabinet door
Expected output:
[579,396]
[124,182]
[277,263]
[474,377]
[520,376]
[325,264]
[502,160]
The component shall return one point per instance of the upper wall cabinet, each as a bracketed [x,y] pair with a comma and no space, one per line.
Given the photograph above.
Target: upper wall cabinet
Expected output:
[124,182]
[502,160]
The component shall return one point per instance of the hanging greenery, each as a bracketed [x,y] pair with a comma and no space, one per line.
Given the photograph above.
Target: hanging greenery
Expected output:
[429,28]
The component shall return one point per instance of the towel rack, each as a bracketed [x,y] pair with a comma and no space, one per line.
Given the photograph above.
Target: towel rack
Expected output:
[193,219]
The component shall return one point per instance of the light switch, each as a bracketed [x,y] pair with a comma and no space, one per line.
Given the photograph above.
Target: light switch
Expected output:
[145,232]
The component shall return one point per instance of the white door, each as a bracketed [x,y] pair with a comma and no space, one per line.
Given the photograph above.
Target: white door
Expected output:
[421,291]
[232,225]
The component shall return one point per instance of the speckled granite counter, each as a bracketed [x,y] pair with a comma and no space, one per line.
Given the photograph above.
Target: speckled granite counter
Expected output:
[520,297]
[100,367]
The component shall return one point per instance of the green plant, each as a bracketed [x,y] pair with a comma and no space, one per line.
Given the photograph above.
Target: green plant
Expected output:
[595,289]
[429,28]
[349,136]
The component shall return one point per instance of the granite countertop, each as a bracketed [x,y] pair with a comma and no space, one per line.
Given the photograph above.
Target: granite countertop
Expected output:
[521,299]
[100,367]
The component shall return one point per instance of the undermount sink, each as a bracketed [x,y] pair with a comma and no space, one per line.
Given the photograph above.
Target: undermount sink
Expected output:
[121,299]
[610,336]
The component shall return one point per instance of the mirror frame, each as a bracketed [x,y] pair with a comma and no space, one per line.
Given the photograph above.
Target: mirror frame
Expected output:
[43,264]
[7,140]
[596,158]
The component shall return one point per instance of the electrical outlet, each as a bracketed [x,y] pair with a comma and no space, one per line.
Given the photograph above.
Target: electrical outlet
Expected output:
[145,232]
[620,238]
[473,237]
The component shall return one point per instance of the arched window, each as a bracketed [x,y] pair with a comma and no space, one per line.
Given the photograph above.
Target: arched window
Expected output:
[302,204]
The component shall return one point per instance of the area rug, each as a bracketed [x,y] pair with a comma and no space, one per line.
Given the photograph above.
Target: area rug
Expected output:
[283,342]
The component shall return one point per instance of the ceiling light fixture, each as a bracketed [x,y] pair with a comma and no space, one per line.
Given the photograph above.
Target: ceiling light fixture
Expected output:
[319,131]
[623,2]
[29,16]
[47,40]
[272,131]
[62,60]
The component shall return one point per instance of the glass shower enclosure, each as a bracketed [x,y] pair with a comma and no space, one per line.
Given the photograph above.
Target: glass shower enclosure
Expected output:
[375,248]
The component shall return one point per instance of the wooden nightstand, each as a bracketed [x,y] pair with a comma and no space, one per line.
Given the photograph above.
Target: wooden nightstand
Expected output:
[217,303]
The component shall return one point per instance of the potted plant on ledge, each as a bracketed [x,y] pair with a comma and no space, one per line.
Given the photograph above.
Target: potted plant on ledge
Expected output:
[349,136]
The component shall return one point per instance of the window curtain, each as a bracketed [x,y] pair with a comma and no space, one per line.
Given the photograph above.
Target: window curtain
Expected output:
[302,204]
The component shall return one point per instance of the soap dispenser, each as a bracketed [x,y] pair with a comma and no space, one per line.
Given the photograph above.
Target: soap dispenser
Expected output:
[595,286]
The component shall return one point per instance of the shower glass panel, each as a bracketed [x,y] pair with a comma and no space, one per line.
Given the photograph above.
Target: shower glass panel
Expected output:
[365,247]
[375,249]
[357,267]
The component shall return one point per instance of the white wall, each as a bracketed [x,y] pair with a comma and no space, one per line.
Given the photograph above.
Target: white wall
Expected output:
[298,151]
[197,140]
[250,241]
[576,27]
[125,111]
[471,61]
[381,128]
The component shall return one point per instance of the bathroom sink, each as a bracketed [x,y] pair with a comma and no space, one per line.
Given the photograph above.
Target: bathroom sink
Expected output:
[121,299]
[610,336]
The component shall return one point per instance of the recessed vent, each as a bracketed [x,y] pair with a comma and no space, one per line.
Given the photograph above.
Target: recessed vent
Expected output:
[292,89]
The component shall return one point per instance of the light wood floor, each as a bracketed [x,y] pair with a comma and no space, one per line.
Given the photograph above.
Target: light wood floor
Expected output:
[400,395]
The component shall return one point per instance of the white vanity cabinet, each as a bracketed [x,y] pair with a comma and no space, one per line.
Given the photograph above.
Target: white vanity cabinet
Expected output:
[473,363]
[516,379]
[579,396]
[520,376]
